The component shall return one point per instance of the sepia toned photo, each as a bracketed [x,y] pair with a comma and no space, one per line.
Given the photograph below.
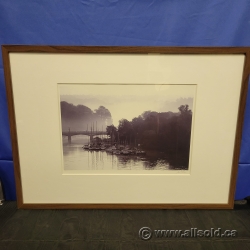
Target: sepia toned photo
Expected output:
[126,127]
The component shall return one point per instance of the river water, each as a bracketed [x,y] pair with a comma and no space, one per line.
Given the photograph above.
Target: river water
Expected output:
[77,158]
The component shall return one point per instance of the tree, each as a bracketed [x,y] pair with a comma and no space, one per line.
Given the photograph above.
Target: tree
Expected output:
[125,129]
[82,117]
[104,115]
[111,131]
[145,114]
[152,121]
[184,110]
[184,129]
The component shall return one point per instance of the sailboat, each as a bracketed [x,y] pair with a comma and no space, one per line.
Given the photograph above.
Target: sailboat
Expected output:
[102,144]
[86,146]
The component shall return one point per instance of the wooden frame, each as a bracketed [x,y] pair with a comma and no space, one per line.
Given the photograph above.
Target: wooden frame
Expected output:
[8,49]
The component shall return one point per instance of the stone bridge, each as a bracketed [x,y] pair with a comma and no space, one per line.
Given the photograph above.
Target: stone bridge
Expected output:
[91,134]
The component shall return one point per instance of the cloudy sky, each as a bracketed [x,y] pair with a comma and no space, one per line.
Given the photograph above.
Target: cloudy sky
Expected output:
[129,101]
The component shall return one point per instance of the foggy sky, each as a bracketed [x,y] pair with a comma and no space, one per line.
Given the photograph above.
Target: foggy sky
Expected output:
[129,101]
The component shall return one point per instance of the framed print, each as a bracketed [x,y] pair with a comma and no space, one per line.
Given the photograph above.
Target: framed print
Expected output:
[134,127]
[126,127]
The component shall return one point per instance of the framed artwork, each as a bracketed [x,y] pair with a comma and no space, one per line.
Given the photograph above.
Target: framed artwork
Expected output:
[125,127]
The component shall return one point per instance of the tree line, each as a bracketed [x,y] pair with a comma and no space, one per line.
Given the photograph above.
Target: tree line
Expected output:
[81,117]
[168,132]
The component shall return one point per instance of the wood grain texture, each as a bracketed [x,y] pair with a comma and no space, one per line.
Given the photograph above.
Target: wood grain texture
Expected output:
[125,50]
[239,128]
[12,122]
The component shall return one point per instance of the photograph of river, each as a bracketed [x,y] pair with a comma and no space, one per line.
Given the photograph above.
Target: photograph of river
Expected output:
[126,126]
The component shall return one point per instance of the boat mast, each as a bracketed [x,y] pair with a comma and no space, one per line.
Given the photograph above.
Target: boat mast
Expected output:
[88,131]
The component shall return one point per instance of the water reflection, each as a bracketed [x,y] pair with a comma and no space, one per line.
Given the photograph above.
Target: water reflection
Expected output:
[76,158]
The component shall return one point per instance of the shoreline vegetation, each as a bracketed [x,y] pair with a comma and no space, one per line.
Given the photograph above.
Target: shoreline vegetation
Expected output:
[163,135]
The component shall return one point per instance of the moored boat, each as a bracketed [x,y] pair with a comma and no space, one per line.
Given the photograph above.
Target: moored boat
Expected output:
[140,152]
[125,152]
[86,146]
[111,149]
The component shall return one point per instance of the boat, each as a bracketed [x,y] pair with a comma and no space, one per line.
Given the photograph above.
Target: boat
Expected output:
[132,151]
[140,152]
[111,149]
[125,152]
[86,146]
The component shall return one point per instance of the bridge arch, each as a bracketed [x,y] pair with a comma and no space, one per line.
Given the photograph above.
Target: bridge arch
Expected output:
[69,134]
